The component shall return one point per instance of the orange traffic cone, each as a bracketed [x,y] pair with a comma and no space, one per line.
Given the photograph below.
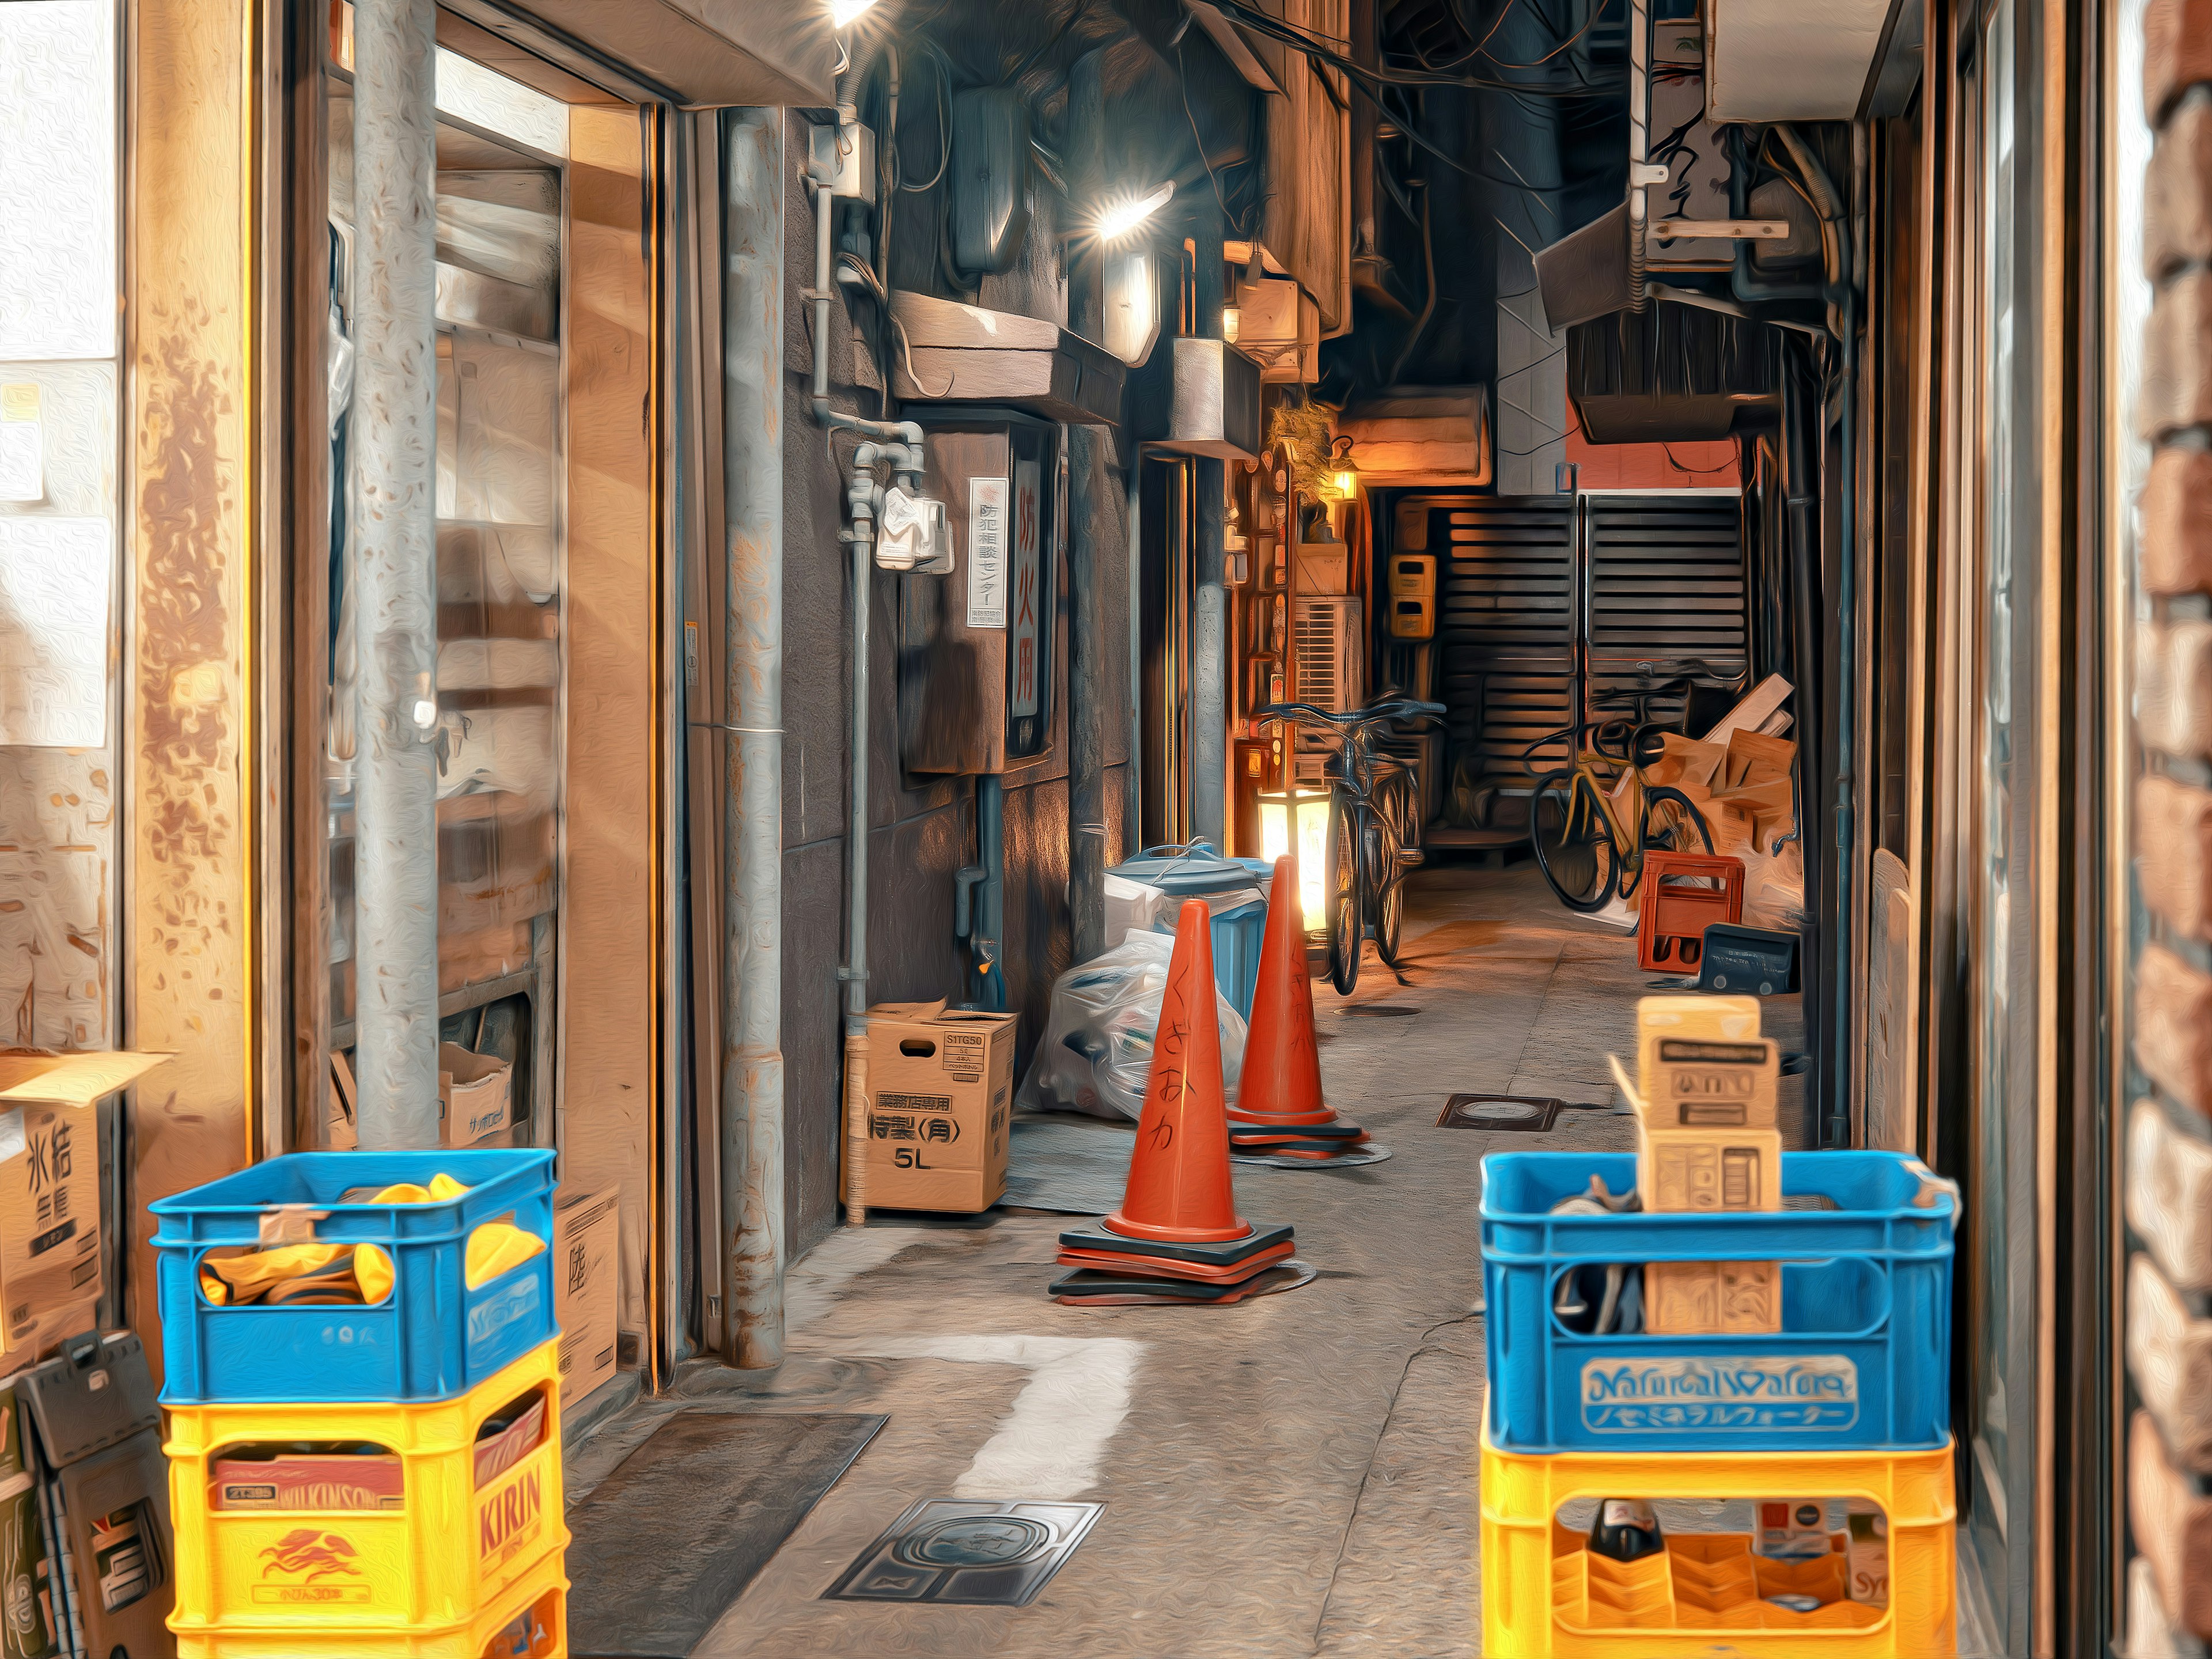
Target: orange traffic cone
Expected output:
[1279,1108]
[1178,1216]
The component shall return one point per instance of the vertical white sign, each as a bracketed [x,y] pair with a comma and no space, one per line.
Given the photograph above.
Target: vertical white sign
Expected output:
[1023,666]
[986,553]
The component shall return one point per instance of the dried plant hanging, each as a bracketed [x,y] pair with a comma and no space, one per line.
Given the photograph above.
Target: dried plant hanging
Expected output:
[1303,431]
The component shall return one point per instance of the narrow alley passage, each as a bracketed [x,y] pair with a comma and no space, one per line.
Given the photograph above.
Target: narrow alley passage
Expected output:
[1294,1474]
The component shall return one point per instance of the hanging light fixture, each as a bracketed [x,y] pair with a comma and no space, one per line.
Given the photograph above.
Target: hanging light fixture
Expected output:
[1119,217]
[1344,471]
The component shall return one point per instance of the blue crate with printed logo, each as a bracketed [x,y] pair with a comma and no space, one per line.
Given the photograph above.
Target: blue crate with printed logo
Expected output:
[433,1337]
[1861,1361]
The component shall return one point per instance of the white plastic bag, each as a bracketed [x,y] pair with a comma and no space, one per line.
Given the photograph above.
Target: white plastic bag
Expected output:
[1097,1049]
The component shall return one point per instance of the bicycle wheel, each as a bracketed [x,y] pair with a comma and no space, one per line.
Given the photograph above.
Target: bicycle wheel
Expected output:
[1347,911]
[1671,824]
[1574,849]
[1395,814]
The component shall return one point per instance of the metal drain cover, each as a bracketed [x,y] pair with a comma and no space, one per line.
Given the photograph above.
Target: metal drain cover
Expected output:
[1382,1010]
[1528,1112]
[955,1549]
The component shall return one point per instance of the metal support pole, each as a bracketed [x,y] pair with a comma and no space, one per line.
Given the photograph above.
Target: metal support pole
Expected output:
[1209,718]
[1089,488]
[394,542]
[752,797]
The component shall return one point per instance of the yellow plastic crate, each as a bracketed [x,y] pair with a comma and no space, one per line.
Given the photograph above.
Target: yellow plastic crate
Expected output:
[451,1554]
[1545,1597]
[543,1591]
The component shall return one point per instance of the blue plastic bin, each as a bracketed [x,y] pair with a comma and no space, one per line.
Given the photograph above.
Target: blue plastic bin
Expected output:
[1196,872]
[1862,1361]
[431,1339]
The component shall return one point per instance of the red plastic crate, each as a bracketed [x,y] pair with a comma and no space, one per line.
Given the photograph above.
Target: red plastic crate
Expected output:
[1677,906]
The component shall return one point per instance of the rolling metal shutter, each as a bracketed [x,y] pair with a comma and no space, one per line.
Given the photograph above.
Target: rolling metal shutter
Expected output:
[1666,586]
[1505,627]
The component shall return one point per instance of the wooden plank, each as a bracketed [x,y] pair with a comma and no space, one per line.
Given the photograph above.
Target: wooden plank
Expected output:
[609,1013]
[1749,716]
[192,911]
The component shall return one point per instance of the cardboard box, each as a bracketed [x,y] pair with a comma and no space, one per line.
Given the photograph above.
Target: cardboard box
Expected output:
[1701,1084]
[586,1254]
[308,1481]
[1712,1298]
[474,1101]
[940,1097]
[1699,1017]
[1708,1170]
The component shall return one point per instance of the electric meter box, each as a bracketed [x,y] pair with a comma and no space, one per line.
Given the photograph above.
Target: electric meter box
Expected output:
[979,649]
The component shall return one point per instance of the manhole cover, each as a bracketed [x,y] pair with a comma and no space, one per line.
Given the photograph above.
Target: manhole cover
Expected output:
[1384,1010]
[953,1549]
[1528,1112]
[974,1541]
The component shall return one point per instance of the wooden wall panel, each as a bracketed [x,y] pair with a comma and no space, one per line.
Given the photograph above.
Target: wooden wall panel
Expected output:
[1307,224]
[190,895]
[610,921]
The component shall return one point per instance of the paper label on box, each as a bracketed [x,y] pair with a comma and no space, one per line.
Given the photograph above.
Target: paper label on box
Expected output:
[1751,1395]
[987,552]
[963,1055]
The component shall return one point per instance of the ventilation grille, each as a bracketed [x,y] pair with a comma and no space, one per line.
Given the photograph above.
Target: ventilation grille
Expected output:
[1328,642]
[1510,586]
[1666,582]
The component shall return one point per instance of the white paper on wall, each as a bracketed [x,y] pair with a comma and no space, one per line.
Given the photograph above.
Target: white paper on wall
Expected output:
[55,578]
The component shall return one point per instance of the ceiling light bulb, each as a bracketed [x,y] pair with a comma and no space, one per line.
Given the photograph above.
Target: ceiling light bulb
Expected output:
[1121,217]
[842,12]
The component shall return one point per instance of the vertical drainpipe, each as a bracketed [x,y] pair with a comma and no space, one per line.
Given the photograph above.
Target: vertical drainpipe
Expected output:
[1639,144]
[394,542]
[752,797]
[1209,718]
[1089,521]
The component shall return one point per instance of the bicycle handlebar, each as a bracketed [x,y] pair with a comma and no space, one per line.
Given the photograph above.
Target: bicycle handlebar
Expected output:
[1397,708]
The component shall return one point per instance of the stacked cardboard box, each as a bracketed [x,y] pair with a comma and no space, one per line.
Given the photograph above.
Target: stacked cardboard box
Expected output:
[1707,1139]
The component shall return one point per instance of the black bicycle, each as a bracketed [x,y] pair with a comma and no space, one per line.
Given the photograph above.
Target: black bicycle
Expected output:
[1374,828]
[1589,843]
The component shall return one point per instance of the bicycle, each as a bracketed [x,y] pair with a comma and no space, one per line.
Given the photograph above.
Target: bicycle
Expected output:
[1593,856]
[1374,830]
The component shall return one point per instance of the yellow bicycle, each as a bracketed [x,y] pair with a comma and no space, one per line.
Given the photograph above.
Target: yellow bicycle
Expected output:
[1580,834]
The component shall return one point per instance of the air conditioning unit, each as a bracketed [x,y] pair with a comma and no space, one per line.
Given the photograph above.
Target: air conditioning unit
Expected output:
[1328,645]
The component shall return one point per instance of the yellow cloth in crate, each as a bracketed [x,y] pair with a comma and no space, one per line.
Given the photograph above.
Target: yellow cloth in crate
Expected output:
[349,1273]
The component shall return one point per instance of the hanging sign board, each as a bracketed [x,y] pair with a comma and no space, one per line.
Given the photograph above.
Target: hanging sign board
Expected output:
[986,553]
[1023,664]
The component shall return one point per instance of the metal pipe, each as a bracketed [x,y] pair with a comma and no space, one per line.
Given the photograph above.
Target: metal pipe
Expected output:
[1132,784]
[394,547]
[1639,144]
[1842,299]
[752,700]
[853,975]
[1088,488]
[1209,678]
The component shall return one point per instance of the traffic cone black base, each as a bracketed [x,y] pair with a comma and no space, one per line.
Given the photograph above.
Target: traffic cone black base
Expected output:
[1160,1266]
[1097,1240]
[1090,1288]
[1259,1129]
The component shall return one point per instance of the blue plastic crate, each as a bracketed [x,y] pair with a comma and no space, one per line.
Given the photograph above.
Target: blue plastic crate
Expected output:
[1862,1361]
[431,1339]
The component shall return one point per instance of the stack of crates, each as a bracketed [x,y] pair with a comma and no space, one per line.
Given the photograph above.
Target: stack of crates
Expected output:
[1789,1360]
[355,1481]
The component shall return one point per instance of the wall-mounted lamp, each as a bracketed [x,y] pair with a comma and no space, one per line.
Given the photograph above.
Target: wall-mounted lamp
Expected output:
[842,12]
[1118,218]
[1345,471]
[1231,320]
[1284,812]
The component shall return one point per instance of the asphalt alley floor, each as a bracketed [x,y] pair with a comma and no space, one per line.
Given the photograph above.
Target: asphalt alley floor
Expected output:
[1292,1475]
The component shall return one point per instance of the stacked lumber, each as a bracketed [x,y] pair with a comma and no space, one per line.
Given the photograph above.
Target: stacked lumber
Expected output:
[1741,777]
